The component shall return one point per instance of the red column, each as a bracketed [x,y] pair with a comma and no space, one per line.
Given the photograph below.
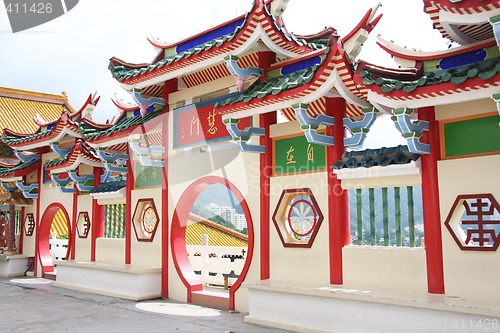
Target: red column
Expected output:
[266,59]
[38,216]
[169,87]
[430,201]
[128,209]
[97,216]
[21,230]
[73,226]
[266,164]
[338,209]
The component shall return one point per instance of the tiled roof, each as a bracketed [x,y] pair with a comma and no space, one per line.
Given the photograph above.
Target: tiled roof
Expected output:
[217,235]
[110,186]
[59,224]
[376,157]
[123,71]
[17,108]
[484,70]
[272,86]
[123,124]
[20,166]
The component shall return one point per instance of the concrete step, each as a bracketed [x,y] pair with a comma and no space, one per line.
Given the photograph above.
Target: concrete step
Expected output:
[50,275]
[211,299]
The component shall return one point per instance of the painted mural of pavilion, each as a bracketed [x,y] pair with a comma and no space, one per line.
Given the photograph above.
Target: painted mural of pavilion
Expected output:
[328,224]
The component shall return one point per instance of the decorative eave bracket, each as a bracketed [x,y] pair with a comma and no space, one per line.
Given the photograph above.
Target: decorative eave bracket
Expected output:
[62,183]
[5,186]
[27,158]
[113,162]
[411,130]
[241,74]
[61,152]
[240,137]
[29,191]
[495,23]
[83,183]
[310,125]
[360,128]
[145,103]
[143,154]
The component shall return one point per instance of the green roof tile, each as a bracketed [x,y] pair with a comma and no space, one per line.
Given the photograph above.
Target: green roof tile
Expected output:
[376,157]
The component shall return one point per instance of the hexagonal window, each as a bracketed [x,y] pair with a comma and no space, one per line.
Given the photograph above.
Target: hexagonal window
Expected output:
[145,220]
[83,224]
[29,224]
[474,222]
[297,218]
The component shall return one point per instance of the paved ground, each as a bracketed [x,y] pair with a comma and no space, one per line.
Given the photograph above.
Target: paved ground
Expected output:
[34,305]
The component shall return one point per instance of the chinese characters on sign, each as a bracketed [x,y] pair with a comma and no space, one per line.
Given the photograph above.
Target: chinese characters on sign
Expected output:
[296,155]
[196,125]
[474,222]
[147,176]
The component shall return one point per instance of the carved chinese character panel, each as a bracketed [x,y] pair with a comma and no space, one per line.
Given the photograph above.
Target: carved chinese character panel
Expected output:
[474,222]
[293,154]
[29,224]
[83,224]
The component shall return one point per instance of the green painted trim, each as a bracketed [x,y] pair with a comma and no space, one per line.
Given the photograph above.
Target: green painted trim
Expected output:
[472,136]
[359,215]
[373,226]
[411,216]
[397,213]
[385,217]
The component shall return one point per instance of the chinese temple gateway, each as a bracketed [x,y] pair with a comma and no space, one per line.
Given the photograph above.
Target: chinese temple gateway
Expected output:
[401,238]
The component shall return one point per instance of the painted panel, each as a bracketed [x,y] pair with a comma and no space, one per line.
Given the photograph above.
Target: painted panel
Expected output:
[199,124]
[147,176]
[472,136]
[296,155]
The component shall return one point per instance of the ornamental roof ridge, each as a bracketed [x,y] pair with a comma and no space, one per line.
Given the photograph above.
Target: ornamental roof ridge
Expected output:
[134,74]
[396,50]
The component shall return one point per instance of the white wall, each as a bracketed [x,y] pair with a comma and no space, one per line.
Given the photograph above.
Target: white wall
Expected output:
[468,273]
[83,245]
[306,265]
[147,254]
[385,268]
[185,166]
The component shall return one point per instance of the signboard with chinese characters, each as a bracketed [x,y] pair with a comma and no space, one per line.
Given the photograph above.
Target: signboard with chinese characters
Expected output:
[199,124]
[146,176]
[294,154]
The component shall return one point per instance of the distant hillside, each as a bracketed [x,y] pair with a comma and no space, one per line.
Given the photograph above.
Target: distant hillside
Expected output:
[220,195]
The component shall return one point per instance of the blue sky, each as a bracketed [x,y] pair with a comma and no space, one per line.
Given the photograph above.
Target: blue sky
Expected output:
[72,52]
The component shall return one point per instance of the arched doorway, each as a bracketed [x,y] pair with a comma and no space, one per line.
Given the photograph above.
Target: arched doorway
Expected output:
[178,235]
[52,222]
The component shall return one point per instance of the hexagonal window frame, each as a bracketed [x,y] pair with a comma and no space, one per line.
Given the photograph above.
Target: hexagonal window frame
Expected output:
[145,220]
[455,218]
[29,224]
[83,225]
[303,205]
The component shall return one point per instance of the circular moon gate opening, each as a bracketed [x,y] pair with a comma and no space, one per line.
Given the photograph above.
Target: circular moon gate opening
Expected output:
[53,236]
[209,250]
